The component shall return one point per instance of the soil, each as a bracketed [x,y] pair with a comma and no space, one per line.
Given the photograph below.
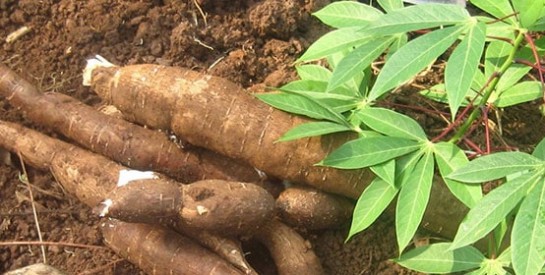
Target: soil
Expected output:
[250,42]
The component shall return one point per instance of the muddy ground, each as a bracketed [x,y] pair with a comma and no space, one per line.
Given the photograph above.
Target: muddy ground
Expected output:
[248,42]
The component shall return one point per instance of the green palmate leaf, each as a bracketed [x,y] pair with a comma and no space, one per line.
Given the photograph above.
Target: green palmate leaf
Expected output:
[390,5]
[347,14]
[505,257]
[416,18]
[406,62]
[391,123]
[539,25]
[320,86]
[521,92]
[539,151]
[364,152]
[490,267]
[334,41]
[385,171]
[356,61]
[413,199]
[301,105]
[496,28]
[528,237]
[496,54]
[438,259]
[400,41]
[478,81]
[372,202]
[492,209]
[495,166]
[450,157]
[517,71]
[313,72]
[498,8]
[312,129]
[462,65]
[500,232]
[528,11]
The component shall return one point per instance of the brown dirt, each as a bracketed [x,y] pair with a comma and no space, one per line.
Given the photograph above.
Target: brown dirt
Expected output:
[248,42]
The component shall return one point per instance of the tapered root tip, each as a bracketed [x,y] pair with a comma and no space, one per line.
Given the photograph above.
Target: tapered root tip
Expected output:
[92,64]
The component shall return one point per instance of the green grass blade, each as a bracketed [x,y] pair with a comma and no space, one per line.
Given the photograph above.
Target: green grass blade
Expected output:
[386,171]
[416,55]
[312,129]
[301,105]
[372,202]
[438,259]
[416,17]
[495,166]
[498,8]
[344,14]
[356,61]
[528,237]
[450,157]
[413,199]
[463,64]
[492,209]
[391,123]
[332,42]
[539,151]
[364,152]
[528,11]
[521,92]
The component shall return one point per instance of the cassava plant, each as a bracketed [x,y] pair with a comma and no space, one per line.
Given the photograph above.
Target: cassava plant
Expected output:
[488,59]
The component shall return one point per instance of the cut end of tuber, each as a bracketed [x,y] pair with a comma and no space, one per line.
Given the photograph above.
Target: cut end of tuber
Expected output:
[103,208]
[126,176]
[92,64]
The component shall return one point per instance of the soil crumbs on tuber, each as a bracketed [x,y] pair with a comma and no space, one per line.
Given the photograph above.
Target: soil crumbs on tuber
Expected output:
[248,42]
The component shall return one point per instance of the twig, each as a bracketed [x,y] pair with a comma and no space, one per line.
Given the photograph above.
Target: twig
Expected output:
[49,243]
[201,12]
[26,180]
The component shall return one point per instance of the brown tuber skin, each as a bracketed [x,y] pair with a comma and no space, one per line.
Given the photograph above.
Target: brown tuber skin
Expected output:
[158,250]
[291,253]
[90,177]
[117,139]
[308,208]
[227,208]
[216,114]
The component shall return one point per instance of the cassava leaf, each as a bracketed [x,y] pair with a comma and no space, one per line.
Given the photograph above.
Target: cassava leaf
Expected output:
[527,241]
[413,199]
[391,123]
[438,259]
[498,8]
[462,65]
[406,62]
[344,14]
[301,105]
[517,71]
[528,11]
[496,54]
[356,61]
[492,209]
[390,5]
[332,42]
[496,28]
[495,166]
[450,157]
[521,92]
[313,72]
[416,18]
[539,151]
[312,129]
[385,171]
[364,152]
[372,202]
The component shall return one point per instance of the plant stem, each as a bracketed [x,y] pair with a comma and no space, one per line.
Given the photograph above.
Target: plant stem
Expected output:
[488,92]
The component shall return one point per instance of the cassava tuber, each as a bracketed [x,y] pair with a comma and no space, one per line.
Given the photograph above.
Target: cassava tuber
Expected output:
[117,139]
[214,113]
[85,175]
[227,208]
[308,208]
[158,250]
[217,114]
